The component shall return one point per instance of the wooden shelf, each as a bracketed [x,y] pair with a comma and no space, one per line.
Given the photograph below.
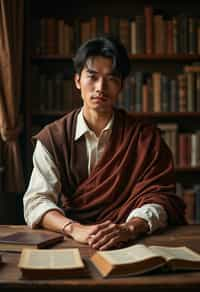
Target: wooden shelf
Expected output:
[167,114]
[51,58]
[173,57]
[136,114]
[187,169]
[139,57]
[49,113]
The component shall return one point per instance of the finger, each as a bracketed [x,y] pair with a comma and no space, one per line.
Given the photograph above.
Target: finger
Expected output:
[113,242]
[95,230]
[103,232]
[103,240]
[100,226]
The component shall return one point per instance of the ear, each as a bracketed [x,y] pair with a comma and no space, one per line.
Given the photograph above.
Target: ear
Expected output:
[77,81]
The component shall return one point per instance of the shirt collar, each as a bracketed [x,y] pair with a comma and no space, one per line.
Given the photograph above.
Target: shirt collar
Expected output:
[82,127]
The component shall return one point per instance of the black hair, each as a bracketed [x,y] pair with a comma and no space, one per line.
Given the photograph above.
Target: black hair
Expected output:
[105,46]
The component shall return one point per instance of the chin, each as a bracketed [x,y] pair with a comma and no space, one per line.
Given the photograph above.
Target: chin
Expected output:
[104,110]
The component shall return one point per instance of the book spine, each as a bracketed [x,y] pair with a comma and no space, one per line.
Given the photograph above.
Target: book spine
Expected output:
[191,35]
[140,34]
[148,13]
[133,37]
[189,199]
[124,32]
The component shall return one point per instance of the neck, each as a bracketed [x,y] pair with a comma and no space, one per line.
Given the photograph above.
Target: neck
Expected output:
[97,120]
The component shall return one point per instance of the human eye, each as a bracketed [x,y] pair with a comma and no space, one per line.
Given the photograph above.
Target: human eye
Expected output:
[91,76]
[114,78]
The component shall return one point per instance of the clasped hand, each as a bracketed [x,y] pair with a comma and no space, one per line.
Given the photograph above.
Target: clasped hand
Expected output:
[104,235]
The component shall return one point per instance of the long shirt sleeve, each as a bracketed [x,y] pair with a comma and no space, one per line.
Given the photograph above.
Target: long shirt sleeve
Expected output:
[44,186]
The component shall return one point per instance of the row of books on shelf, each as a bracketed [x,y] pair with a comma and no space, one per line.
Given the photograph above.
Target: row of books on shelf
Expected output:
[53,93]
[191,197]
[142,92]
[185,147]
[157,92]
[151,33]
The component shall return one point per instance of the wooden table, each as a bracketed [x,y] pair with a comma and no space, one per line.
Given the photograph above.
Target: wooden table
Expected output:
[10,275]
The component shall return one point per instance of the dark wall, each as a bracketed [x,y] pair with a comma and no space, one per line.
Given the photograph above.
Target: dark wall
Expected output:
[11,208]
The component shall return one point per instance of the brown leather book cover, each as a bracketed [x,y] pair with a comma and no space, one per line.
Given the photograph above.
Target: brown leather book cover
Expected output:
[36,239]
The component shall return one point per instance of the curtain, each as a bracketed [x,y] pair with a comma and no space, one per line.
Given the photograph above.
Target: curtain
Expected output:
[11,43]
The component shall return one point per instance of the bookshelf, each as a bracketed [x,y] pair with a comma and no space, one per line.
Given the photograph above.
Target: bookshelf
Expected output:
[54,31]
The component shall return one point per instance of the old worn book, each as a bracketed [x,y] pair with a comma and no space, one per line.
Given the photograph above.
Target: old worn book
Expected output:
[48,263]
[37,239]
[138,259]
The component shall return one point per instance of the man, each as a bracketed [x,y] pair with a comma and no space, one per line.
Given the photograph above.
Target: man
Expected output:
[114,173]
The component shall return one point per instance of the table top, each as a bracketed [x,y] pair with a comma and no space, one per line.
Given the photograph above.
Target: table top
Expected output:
[11,278]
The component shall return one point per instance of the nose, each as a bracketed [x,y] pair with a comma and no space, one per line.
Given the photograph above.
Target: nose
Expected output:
[101,85]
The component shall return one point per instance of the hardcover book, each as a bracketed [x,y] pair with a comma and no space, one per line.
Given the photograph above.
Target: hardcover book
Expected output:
[48,263]
[138,259]
[21,239]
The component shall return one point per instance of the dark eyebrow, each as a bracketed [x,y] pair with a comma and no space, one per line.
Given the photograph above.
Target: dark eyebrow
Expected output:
[91,71]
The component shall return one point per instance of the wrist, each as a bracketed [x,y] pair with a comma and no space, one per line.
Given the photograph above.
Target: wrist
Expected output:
[138,226]
[66,228]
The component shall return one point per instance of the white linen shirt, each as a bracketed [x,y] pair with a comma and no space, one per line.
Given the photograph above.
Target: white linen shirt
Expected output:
[44,186]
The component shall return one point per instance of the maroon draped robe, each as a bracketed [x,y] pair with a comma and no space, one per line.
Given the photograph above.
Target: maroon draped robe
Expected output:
[136,169]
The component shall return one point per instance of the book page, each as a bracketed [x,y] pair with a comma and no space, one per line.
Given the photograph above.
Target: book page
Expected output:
[170,253]
[51,259]
[127,255]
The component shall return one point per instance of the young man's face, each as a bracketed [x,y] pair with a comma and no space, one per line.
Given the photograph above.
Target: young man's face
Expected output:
[98,85]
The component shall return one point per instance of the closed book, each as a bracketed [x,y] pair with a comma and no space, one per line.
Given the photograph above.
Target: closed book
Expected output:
[159,34]
[140,34]
[93,26]
[165,94]
[51,36]
[182,92]
[192,35]
[148,13]
[133,36]
[106,24]
[85,30]
[61,36]
[197,203]
[175,38]
[124,32]
[198,36]
[191,80]
[114,26]
[51,263]
[184,150]
[139,259]
[198,92]
[189,199]
[174,102]
[37,239]
[183,33]
[156,78]
[138,91]
[192,68]
[169,33]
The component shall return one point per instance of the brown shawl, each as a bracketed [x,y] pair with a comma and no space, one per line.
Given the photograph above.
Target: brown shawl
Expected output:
[136,169]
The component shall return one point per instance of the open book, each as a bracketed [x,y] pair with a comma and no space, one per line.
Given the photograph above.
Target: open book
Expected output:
[138,259]
[50,263]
